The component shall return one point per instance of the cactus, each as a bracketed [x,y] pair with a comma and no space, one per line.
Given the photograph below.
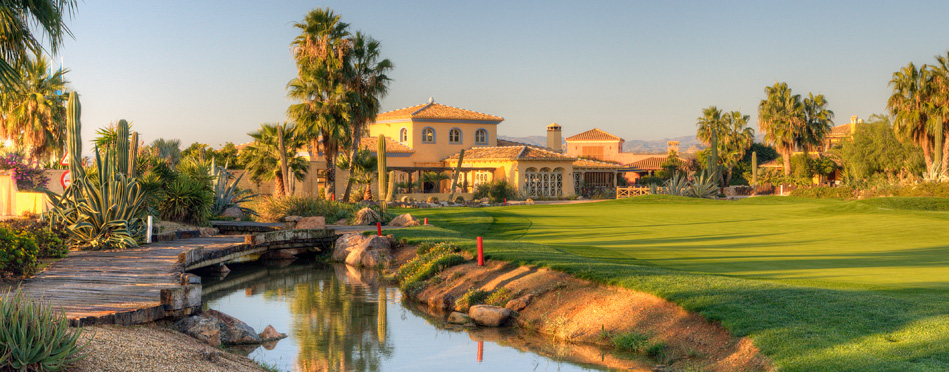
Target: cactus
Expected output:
[73,138]
[381,163]
[391,188]
[454,177]
[754,169]
[133,154]
[122,147]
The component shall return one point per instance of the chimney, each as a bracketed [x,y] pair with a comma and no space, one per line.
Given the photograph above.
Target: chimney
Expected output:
[672,146]
[554,138]
[853,119]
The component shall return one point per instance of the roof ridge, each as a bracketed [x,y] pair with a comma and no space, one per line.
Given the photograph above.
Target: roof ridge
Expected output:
[427,105]
[464,109]
[519,154]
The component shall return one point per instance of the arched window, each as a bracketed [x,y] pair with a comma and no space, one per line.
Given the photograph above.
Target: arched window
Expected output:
[428,135]
[481,137]
[403,135]
[454,136]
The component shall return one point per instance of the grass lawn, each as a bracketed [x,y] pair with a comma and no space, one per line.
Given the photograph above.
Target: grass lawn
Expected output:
[820,285]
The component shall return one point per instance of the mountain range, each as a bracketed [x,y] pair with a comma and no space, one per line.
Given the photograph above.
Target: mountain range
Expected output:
[687,144]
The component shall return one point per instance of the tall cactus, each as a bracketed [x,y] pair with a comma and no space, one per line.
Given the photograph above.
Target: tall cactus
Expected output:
[73,137]
[391,188]
[454,177]
[381,163]
[133,154]
[122,147]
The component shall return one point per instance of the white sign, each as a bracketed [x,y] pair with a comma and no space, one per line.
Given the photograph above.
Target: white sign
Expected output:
[66,180]
[65,160]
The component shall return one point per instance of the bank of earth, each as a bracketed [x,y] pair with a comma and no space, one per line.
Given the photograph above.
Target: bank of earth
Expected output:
[579,311]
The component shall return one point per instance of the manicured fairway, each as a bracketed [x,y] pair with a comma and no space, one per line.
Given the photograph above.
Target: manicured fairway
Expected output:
[818,285]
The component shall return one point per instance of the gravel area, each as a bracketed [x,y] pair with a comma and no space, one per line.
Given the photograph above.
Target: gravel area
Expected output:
[153,348]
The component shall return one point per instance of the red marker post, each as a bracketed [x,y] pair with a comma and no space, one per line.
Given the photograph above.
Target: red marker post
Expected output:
[505,201]
[379,228]
[480,252]
[426,221]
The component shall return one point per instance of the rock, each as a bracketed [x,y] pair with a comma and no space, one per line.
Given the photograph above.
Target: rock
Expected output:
[314,223]
[489,316]
[459,318]
[443,303]
[271,334]
[345,244]
[341,221]
[366,216]
[485,200]
[207,231]
[234,331]
[233,212]
[205,329]
[580,197]
[529,201]
[358,250]
[519,303]
[405,220]
[292,218]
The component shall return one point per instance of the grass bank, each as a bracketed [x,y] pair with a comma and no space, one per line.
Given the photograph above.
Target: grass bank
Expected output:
[819,285]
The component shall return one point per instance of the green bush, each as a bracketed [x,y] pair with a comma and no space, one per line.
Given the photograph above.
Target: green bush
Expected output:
[500,297]
[274,209]
[650,180]
[34,337]
[471,298]
[187,200]
[17,253]
[428,261]
[497,191]
[51,244]
[824,192]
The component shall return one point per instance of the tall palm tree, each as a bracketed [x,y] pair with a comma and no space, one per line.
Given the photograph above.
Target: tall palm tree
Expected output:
[366,76]
[321,52]
[939,110]
[20,19]
[735,141]
[167,150]
[907,104]
[781,116]
[262,157]
[33,110]
[817,122]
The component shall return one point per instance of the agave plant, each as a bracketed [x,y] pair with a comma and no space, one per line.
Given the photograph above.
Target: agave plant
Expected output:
[228,196]
[677,185]
[34,337]
[100,212]
[704,186]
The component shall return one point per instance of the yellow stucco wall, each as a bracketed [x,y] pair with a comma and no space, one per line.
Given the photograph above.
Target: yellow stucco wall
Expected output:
[442,148]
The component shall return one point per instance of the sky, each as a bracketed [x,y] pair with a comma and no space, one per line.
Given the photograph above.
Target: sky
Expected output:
[212,71]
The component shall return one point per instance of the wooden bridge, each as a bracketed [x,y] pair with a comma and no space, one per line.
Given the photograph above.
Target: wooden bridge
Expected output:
[628,192]
[148,283]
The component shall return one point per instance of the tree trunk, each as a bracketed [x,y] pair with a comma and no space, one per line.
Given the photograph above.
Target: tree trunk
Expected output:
[938,158]
[357,135]
[927,152]
[945,154]
[278,186]
[329,155]
[284,173]
[787,161]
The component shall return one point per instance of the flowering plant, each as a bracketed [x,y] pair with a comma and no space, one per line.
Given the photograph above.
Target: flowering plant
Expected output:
[28,176]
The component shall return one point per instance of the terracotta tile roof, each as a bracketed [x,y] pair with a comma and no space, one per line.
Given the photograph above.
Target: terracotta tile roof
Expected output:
[434,110]
[594,134]
[651,163]
[392,146]
[504,142]
[597,164]
[517,153]
[841,130]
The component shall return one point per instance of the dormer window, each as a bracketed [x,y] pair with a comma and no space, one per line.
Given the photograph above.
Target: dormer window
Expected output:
[404,135]
[481,137]
[454,136]
[428,135]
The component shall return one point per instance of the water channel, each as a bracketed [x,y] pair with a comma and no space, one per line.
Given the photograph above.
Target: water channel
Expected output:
[339,318]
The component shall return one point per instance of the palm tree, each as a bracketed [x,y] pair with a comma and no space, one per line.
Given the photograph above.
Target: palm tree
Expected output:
[367,77]
[735,141]
[321,52]
[817,122]
[907,104]
[167,150]
[20,18]
[939,110]
[32,110]
[781,117]
[262,157]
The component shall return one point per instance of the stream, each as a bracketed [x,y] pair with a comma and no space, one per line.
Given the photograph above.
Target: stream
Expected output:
[340,318]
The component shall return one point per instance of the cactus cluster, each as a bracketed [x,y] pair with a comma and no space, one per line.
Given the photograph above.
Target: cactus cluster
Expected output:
[73,138]
[381,163]
[133,154]
[122,147]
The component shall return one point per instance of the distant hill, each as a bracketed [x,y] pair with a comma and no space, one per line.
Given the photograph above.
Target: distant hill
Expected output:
[686,144]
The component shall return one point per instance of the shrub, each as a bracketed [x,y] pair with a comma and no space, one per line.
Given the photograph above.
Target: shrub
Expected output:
[34,337]
[27,176]
[824,192]
[51,243]
[471,298]
[17,253]
[186,200]
[497,191]
[650,180]
[274,209]
[429,260]
[500,297]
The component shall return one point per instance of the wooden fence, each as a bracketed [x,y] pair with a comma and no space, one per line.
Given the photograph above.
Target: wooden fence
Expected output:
[628,192]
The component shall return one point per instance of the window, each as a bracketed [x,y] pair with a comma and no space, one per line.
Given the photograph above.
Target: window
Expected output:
[428,135]
[595,152]
[454,136]
[481,137]
[404,135]
[543,183]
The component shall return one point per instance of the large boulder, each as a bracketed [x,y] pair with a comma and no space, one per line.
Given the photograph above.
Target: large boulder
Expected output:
[233,212]
[234,331]
[368,251]
[271,334]
[459,318]
[314,223]
[489,316]
[366,216]
[405,220]
[205,329]
[519,303]
[346,244]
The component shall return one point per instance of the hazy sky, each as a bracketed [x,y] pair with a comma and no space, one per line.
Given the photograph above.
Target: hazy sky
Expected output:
[211,71]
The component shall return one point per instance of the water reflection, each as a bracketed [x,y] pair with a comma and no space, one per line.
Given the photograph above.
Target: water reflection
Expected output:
[343,319]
